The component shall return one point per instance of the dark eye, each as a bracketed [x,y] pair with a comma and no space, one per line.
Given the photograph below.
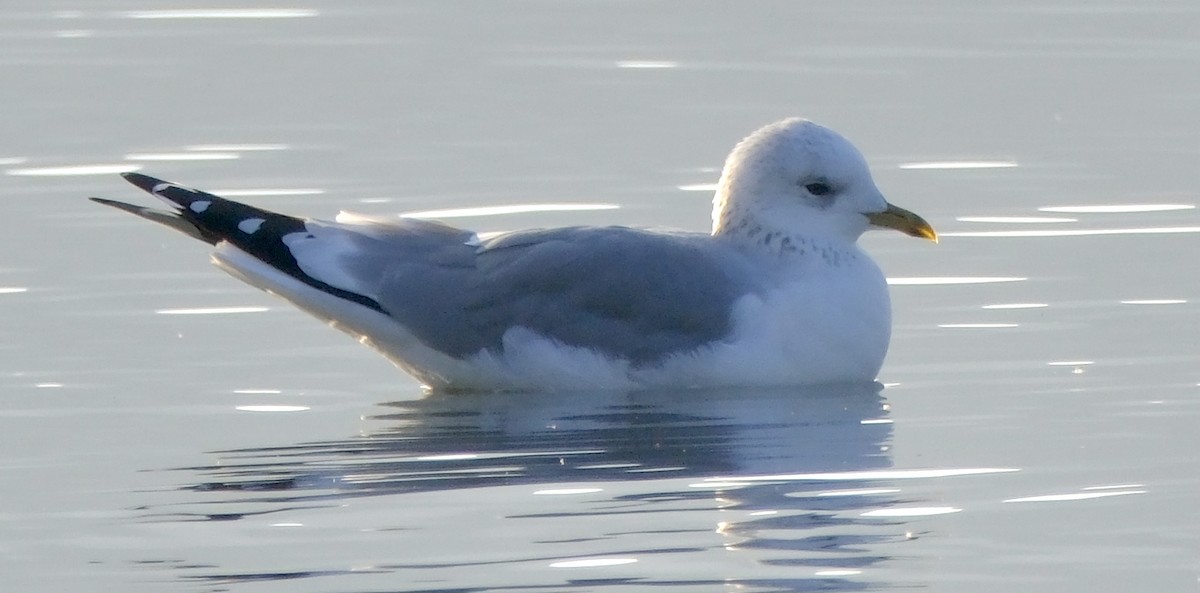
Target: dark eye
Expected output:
[818,188]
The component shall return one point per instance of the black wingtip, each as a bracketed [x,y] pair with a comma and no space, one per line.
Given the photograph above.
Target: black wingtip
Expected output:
[106,202]
[214,220]
[131,208]
[162,217]
[144,182]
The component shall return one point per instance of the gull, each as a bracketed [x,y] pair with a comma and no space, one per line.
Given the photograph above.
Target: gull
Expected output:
[779,293]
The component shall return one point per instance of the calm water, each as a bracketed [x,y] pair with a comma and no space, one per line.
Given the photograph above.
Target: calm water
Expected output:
[165,428]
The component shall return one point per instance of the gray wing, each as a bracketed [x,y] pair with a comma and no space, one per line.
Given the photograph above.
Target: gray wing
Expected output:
[631,294]
[627,293]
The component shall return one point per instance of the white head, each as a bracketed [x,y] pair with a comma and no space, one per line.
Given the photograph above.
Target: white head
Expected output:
[800,178]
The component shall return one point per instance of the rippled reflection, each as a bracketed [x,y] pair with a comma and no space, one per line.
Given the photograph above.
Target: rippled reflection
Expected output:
[791,481]
[420,445]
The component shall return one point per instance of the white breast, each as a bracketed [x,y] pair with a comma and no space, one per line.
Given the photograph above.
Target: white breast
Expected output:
[817,326]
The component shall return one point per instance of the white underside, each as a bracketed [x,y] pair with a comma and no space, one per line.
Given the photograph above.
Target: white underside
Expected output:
[820,330]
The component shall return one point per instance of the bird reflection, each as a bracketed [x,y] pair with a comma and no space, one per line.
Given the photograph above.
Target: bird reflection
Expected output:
[662,468]
[466,441]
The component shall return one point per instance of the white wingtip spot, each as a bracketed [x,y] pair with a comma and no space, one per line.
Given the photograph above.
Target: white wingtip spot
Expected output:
[474,241]
[200,206]
[160,187]
[251,225]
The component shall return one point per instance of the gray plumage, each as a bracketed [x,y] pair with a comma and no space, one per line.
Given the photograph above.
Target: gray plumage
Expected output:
[630,294]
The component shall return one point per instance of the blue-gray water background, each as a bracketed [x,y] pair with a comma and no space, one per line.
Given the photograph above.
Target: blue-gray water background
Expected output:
[166,428]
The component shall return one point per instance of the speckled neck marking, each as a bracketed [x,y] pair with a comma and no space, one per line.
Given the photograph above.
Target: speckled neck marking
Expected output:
[753,235]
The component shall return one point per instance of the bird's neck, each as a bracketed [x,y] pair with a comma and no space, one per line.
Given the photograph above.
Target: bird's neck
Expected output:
[755,234]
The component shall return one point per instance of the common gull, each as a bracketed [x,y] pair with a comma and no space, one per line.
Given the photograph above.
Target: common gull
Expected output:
[779,293]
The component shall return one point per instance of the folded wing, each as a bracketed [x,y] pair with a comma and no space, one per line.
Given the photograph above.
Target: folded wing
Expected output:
[626,293]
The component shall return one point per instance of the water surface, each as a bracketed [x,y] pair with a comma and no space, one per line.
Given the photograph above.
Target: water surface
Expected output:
[166,428]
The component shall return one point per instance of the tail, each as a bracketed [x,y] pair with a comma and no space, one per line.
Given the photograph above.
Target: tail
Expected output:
[260,233]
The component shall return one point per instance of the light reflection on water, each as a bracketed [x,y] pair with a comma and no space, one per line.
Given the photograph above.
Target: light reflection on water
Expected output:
[795,481]
[1016,306]
[1074,496]
[952,165]
[236,147]
[1117,208]
[1094,393]
[211,310]
[560,438]
[268,192]
[507,209]
[941,280]
[1076,232]
[181,156]
[1015,219]
[228,13]
[73,170]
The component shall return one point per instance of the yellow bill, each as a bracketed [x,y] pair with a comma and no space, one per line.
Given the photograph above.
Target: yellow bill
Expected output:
[904,221]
